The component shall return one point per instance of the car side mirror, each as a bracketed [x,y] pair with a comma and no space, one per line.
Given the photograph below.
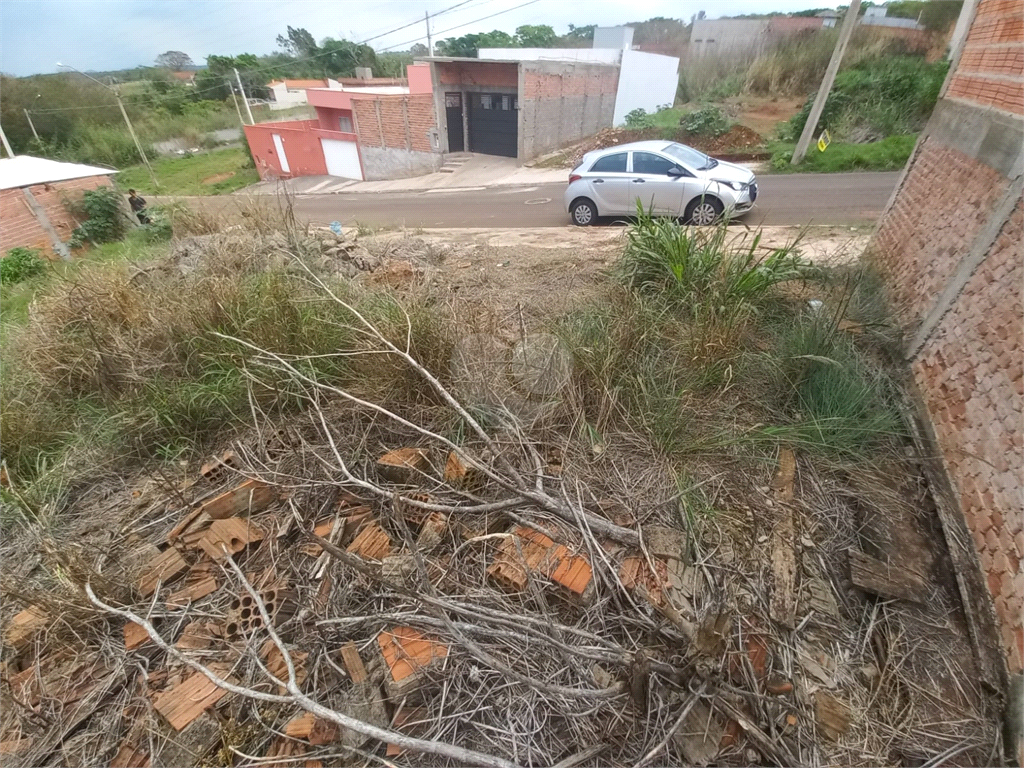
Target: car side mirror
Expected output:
[673,171]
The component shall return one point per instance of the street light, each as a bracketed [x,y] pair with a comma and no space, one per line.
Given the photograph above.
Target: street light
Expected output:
[124,114]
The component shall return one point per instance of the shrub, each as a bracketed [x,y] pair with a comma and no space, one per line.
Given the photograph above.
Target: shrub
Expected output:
[782,159]
[708,121]
[20,264]
[639,118]
[105,219]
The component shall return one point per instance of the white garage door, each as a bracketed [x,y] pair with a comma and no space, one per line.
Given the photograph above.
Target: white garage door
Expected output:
[342,158]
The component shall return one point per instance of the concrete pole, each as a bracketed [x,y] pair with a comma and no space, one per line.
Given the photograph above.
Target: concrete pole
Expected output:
[7,144]
[849,22]
[241,89]
[238,109]
[430,41]
[31,124]
[138,144]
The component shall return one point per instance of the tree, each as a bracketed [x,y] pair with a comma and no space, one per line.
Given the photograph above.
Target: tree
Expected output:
[175,61]
[468,45]
[341,57]
[581,33]
[534,36]
[419,49]
[298,43]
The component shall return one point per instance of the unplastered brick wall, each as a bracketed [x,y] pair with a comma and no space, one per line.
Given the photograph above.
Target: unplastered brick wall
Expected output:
[990,66]
[920,249]
[971,375]
[21,228]
[564,102]
[396,122]
[484,73]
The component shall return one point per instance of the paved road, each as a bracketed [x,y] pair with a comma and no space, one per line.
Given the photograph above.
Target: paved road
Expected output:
[842,198]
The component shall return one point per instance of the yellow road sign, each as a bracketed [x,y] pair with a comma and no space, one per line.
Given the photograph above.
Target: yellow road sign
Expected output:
[824,140]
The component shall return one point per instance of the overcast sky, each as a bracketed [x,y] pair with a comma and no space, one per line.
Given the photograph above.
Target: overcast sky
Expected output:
[117,34]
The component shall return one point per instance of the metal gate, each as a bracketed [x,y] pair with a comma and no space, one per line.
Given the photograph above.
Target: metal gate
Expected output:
[494,124]
[453,115]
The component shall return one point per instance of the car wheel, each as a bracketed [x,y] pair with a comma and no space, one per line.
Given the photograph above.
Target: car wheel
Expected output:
[583,213]
[704,211]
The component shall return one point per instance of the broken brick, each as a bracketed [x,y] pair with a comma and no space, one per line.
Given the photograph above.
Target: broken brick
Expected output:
[353,662]
[372,543]
[542,556]
[233,534]
[199,582]
[130,756]
[406,653]
[300,726]
[432,531]
[24,625]
[277,666]
[164,568]
[460,474]
[405,465]
[214,471]
[249,497]
[187,700]
[407,720]
[134,636]
[196,636]
[635,572]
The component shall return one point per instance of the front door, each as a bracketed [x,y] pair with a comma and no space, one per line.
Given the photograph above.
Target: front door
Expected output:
[494,124]
[453,115]
[279,146]
[657,192]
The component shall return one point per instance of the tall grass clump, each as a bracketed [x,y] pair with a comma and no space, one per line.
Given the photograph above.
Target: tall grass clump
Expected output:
[710,345]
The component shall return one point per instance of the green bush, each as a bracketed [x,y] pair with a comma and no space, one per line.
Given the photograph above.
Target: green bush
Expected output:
[639,118]
[782,159]
[708,121]
[105,220]
[20,264]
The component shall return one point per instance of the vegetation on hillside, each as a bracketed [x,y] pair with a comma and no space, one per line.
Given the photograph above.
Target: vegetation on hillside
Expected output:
[209,173]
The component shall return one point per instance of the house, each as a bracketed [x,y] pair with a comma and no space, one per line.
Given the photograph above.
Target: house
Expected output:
[32,195]
[520,104]
[285,94]
[829,19]
[878,16]
[740,36]
[185,78]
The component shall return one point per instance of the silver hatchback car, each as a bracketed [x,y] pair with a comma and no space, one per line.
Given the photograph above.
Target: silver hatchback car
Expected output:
[666,178]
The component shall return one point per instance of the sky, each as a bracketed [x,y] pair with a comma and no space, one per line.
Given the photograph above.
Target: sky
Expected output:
[102,35]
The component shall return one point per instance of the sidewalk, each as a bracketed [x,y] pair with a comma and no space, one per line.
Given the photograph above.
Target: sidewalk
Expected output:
[469,172]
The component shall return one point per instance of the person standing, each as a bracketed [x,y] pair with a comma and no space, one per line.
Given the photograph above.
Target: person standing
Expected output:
[138,204]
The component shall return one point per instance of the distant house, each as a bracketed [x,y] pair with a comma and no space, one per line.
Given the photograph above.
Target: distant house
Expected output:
[188,78]
[828,18]
[878,16]
[709,36]
[285,94]
[32,195]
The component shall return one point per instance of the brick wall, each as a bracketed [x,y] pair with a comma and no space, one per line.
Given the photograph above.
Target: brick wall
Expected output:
[950,246]
[561,103]
[20,226]
[395,134]
[479,74]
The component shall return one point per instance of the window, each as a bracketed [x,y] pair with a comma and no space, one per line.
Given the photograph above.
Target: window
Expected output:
[345,124]
[690,156]
[453,100]
[647,162]
[506,102]
[485,101]
[610,164]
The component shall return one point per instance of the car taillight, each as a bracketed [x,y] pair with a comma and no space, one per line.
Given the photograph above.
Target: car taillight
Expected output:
[574,177]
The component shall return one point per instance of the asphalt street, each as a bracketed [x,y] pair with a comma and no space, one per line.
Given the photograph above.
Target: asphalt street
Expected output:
[799,199]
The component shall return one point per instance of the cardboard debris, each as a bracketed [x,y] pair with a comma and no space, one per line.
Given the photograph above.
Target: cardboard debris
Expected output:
[199,582]
[833,716]
[372,543]
[188,700]
[407,653]
[246,499]
[24,625]
[405,465]
[233,534]
[164,568]
[541,556]
[135,635]
[888,581]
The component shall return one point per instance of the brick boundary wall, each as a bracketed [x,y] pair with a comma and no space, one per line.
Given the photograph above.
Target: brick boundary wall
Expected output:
[949,244]
[395,135]
[19,226]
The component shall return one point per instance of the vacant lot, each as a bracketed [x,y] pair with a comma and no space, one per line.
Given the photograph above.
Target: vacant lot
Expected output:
[206,173]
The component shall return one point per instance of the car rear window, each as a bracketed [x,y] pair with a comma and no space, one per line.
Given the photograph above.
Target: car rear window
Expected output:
[610,164]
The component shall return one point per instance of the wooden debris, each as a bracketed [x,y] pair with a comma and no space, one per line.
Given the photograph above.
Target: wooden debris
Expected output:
[405,465]
[785,474]
[700,736]
[135,635]
[353,663]
[165,568]
[833,716]
[820,598]
[372,543]
[24,625]
[188,700]
[199,582]
[888,581]
[784,596]
[542,556]
[233,534]
[249,497]
[407,652]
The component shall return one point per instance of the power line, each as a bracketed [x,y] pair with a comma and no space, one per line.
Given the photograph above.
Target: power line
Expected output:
[460,26]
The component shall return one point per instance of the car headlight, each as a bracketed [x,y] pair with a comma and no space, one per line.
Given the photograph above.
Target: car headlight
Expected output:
[739,186]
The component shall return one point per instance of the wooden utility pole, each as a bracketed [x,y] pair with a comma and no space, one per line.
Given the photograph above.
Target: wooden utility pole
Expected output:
[849,22]
[245,98]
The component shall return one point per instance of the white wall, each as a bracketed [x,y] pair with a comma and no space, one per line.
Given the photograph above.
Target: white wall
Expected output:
[598,55]
[613,37]
[646,80]
[283,99]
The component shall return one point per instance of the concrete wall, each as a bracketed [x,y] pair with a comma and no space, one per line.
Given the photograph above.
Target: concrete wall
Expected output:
[613,37]
[646,81]
[598,55]
[301,146]
[282,98]
[560,103]
[949,243]
[724,35]
[20,226]
[397,135]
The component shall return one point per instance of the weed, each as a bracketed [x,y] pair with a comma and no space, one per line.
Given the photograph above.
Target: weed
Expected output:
[20,264]
[707,121]
[639,118]
[889,154]
[105,219]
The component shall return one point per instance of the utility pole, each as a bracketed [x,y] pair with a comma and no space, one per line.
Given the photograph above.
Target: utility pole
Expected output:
[31,124]
[849,22]
[7,144]
[430,41]
[241,89]
[234,98]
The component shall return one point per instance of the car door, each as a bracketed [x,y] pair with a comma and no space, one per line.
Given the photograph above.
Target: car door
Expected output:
[610,184]
[652,185]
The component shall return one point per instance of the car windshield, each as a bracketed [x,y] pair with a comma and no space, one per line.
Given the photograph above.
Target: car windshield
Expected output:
[691,157]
